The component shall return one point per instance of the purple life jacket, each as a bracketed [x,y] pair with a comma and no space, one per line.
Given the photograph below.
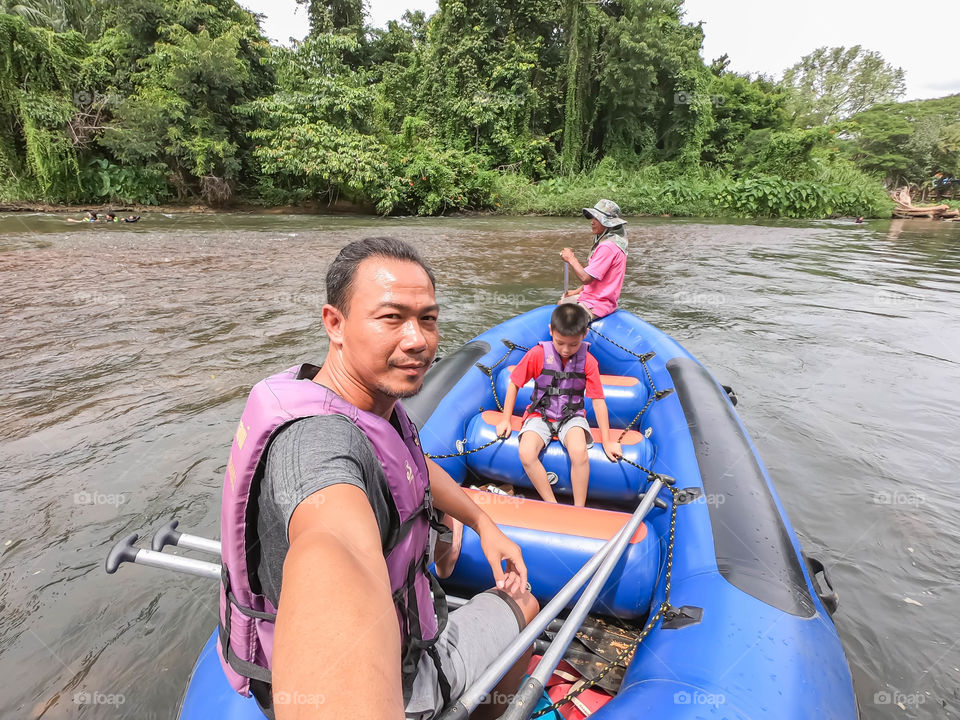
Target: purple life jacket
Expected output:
[247,617]
[559,392]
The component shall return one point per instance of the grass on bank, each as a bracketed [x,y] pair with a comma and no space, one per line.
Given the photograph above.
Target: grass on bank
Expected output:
[462,184]
[838,190]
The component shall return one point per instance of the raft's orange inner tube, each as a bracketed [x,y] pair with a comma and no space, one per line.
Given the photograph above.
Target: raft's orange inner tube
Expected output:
[549,517]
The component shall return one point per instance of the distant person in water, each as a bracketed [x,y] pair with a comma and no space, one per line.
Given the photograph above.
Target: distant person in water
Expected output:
[859,220]
[89,217]
[602,278]
[112,217]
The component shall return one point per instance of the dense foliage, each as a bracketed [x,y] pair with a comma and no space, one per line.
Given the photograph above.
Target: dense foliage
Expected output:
[913,143]
[534,106]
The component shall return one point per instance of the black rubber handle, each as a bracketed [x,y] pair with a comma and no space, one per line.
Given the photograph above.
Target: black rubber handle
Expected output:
[731,393]
[167,535]
[828,596]
[657,501]
[123,551]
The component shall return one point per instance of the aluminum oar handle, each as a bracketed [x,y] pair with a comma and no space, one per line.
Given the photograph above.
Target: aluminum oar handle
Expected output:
[123,551]
[169,535]
[126,551]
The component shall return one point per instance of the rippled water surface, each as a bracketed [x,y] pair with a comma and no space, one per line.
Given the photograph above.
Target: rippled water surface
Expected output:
[127,353]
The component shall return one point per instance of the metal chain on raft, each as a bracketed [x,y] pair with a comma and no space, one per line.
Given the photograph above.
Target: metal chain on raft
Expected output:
[488,371]
[511,346]
[461,453]
[626,655]
[656,394]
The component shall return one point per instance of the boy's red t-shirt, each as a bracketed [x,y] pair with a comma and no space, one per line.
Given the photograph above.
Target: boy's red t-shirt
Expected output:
[531,366]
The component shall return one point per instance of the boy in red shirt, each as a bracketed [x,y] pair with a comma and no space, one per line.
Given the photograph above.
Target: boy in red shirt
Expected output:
[565,372]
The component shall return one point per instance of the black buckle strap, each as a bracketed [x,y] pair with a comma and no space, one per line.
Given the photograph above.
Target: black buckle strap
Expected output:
[565,374]
[243,667]
[407,525]
[442,680]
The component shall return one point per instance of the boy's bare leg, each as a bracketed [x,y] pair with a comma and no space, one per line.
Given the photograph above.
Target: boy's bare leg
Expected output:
[530,446]
[576,444]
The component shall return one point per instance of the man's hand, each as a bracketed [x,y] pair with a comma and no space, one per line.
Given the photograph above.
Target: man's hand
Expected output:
[503,428]
[567,255]
[498,548]
[613,450]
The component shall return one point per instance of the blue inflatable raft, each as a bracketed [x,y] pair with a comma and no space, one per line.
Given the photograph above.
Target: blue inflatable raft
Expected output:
[749,634]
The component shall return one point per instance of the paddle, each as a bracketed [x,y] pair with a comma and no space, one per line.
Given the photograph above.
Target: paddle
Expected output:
[124,551]
[605,558]
[525,701]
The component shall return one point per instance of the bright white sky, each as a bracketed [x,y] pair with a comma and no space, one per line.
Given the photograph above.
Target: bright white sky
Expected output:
[764,36]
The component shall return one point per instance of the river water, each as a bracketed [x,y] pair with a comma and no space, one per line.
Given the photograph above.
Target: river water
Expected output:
[127,353]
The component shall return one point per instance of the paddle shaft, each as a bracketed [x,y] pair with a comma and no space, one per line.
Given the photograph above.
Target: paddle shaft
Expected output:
[473,695]
[125,550]
[566,278]
[525,701]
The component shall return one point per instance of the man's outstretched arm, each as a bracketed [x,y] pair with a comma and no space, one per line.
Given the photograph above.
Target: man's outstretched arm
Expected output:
[337,646]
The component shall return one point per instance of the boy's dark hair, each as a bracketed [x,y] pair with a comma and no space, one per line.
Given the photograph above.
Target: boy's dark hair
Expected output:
[343,269]
[570,320]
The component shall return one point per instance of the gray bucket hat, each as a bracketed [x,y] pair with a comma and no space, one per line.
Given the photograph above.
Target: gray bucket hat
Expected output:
[607,212]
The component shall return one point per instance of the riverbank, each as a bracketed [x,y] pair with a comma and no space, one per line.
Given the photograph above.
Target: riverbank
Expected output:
[826,191]
[315,208]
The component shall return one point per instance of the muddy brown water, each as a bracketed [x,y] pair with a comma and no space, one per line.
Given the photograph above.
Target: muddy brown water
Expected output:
[127,353]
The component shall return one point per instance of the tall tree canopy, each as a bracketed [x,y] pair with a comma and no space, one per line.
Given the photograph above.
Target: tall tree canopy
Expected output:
[157,99]
[831,84]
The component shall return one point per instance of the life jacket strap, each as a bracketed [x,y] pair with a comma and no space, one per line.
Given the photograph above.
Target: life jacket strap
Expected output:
[406,599]
[243,667]
[565,374]
[407,525]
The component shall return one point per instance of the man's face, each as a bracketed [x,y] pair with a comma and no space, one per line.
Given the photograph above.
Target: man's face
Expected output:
[389,334]
[597,226]
[566,345]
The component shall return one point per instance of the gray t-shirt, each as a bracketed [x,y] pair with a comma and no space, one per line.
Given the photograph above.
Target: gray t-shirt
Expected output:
[304,457]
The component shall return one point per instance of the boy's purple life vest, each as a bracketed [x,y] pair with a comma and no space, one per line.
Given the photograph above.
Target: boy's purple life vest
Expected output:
[558,395]
[246,616]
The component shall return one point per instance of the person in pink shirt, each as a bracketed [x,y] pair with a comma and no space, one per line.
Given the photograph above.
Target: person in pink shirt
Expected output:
[602,278]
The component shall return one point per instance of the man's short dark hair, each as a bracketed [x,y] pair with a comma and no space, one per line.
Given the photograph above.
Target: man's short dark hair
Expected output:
[570,320]
[343,269]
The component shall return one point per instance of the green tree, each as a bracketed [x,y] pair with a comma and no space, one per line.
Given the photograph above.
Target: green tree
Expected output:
[744,109]
[908,143]
[334,16]
[178,71]
[84,16]
[581,22]
[832,84]
[490,79]
[317,137]
[654,98]
[40,66]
